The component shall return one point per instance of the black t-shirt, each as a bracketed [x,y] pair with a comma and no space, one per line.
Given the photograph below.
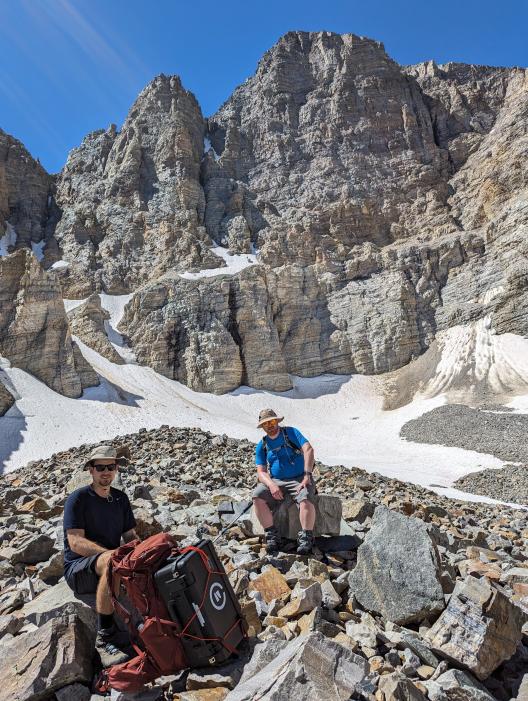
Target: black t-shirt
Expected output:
[103,521]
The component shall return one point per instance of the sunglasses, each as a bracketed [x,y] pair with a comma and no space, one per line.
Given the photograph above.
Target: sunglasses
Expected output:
[102,468]
[271,422]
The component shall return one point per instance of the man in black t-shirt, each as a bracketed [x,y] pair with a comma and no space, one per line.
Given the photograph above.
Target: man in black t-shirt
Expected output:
[96,518]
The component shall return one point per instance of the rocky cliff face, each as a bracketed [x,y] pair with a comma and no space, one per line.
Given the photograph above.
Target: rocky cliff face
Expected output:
[382,203]
[336,145]
[34,332]
[132,205]
[6,399]
[387,204]
[26,196]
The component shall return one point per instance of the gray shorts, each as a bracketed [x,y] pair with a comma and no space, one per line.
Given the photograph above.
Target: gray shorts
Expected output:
[289,489]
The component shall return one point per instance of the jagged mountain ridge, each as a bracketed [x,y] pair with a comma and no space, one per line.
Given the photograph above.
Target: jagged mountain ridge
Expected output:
[387,204]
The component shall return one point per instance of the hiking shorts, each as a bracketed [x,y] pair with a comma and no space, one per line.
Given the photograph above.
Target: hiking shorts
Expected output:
[81,576]
[289,489]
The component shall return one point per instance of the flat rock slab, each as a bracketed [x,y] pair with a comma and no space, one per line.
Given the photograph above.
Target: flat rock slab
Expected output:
[56,655]
[271,584]
[286,518]
[480,628]
[309,667]
[397,572]
[58,601]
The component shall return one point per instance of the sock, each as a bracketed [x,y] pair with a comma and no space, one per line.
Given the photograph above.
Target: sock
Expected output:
[105,620]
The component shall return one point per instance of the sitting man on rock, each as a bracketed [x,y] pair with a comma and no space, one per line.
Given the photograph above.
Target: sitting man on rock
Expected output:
[96,518]
[290,459]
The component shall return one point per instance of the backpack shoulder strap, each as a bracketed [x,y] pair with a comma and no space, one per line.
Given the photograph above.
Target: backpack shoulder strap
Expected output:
[265,447]
[289,442]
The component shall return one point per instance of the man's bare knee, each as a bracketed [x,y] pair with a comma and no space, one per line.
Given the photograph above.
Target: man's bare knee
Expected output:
[101,563]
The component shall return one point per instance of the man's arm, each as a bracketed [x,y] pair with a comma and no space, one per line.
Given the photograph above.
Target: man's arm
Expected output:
[308,453]
[129,535]
[264,477]
[81,545]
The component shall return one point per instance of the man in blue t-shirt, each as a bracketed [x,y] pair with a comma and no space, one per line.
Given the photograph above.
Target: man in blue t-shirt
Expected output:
[285,460]
[96,518]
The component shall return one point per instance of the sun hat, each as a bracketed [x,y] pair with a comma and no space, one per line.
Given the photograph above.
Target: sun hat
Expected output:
[268,415]
[107,452]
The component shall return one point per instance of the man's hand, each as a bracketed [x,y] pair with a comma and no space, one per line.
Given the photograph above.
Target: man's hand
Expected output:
[307,481]
[276,492]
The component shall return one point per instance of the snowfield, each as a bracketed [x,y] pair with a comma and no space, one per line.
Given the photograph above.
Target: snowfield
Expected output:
[342,416]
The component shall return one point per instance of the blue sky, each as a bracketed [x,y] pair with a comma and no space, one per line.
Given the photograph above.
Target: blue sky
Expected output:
[68,67]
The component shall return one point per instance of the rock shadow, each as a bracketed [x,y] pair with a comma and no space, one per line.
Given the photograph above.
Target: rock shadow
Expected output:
[111,393]
[303,387]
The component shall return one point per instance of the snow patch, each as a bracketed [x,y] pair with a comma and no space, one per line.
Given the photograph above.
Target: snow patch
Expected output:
[59,265]
[115,306]
[474,356]
[234,264]
[342,416]
[208,146]
[70,304]
[38,249]
[8,240]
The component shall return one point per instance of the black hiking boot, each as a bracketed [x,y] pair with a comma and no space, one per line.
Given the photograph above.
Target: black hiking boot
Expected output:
[272,540]
[111,644]
[305,542]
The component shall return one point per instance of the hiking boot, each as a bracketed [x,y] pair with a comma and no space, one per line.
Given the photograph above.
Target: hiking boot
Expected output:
[108,644]
[272,541]
[305,542]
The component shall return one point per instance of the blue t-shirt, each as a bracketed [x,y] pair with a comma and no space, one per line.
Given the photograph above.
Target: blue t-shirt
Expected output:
[103,521]
[284,463]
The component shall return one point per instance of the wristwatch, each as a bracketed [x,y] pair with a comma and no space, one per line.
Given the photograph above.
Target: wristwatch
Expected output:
[308,474]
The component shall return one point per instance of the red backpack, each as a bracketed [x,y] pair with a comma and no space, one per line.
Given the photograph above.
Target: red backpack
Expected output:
[136,599]
[155,638]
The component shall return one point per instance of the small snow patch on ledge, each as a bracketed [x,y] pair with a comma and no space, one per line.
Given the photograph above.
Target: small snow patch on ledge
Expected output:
[208,146]
[234,264]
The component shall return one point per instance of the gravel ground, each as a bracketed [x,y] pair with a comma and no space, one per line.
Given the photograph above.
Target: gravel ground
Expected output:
[508,484]
[491,430]
[501,434]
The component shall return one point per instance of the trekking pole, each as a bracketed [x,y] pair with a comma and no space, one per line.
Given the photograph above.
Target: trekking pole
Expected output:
[244,511]
[224,530]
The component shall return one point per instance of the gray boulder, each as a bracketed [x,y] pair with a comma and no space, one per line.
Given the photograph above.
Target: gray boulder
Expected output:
[28,549]
[286,518]
[58,601]
[457,685]
[35,664]
[309,667]
[397,572]
[480,628]
[396,687]
[263,655]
